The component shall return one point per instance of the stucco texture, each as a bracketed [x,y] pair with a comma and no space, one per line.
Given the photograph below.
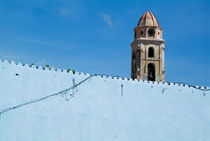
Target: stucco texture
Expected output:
[99,109]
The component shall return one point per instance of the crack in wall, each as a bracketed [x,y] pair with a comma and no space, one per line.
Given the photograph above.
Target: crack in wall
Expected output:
[64,92]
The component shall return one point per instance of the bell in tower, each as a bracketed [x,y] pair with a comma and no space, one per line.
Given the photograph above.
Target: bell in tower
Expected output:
[147,59]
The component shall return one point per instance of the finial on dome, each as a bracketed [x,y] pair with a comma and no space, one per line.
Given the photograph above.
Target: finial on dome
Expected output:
[148,19]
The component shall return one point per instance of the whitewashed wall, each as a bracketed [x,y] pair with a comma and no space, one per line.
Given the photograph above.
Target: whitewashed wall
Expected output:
[103,109]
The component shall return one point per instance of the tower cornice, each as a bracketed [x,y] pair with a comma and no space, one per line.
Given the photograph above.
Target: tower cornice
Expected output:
[146,41]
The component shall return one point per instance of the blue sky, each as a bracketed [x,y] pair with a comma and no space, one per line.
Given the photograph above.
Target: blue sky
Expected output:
[94,36]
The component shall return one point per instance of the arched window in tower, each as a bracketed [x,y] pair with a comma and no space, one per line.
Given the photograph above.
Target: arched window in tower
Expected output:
[133,65]
[151,32]
[151,52]
[151,72]
[141,32]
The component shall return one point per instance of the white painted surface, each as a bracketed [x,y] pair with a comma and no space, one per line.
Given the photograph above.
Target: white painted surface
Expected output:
[101,110]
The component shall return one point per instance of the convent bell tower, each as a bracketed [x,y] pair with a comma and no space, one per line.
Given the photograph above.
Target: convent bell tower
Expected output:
[147,59]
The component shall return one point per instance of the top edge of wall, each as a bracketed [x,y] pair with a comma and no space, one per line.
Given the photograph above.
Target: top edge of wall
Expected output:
[203,88]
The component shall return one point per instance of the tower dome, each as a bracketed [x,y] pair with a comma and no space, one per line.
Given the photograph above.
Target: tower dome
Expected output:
[148,19]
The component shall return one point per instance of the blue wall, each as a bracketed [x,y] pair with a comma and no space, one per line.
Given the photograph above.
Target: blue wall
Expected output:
[100,109]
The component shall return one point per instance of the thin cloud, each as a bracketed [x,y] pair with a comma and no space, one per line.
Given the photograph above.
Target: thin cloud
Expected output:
[37,41]
[64,12]
[65,8]
[42,62]
[13,57]
[107,19]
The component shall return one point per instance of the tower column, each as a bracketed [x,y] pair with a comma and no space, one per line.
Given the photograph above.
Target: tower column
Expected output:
[148,50]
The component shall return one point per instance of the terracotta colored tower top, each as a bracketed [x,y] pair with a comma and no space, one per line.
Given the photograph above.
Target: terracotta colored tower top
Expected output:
[148,19]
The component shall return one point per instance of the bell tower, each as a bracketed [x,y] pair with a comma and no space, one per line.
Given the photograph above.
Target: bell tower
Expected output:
[147,58]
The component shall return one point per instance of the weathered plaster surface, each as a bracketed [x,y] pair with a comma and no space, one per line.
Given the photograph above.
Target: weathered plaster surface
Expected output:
[103,109]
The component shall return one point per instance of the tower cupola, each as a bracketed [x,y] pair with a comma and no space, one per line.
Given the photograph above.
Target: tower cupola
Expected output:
[148,19]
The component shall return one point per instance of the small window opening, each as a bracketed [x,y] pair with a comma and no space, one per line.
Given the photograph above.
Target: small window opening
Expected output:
[133,57]
[151,72]
[151,52]
[151,32]
[141,32]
